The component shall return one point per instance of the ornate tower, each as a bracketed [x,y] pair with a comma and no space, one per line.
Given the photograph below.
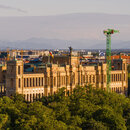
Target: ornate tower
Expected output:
[70,63]
[124,77]
[14,77]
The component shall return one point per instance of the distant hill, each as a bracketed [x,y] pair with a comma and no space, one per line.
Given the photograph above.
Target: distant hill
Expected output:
[42,43]
[81,30]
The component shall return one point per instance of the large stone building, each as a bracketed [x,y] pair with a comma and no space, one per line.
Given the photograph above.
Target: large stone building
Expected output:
[62,71]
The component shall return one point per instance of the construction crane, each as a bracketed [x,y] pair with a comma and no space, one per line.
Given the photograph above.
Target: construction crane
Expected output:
[108,34]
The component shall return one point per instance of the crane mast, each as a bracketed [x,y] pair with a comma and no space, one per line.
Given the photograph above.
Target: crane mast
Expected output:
[108,34]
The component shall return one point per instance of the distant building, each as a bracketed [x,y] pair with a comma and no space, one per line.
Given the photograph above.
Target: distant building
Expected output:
[121,57]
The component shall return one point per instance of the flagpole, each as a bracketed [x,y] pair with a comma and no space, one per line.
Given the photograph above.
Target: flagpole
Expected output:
[99,56]
[49,58]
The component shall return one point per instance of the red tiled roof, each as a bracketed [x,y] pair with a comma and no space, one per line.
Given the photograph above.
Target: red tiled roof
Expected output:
[118,57]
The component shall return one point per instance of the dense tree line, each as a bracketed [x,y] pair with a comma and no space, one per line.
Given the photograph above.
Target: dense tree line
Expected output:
[86,108]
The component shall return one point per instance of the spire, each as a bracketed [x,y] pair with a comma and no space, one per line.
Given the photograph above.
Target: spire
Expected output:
[71,49]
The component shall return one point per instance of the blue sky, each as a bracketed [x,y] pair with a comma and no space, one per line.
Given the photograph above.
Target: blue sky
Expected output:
[55,7]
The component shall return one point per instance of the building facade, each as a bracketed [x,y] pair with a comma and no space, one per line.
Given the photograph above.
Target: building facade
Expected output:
[62,72]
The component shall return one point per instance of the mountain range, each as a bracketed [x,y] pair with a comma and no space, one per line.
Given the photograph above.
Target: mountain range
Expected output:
[80,30]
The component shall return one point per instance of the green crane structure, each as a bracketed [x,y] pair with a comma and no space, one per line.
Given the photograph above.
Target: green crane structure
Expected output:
[108,34]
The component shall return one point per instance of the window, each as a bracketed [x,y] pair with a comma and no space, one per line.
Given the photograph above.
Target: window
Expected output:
[24,83]
[19,83]
[33,96]
[18,69]
[114,90]
[93,79]
[33,82]
[90,79]
[54,81]
[120,89]
[68,92]
[27,97]
[48,81]
[30,82]
[12,83]
[27,82]
[39,81]
[36,81]
[42,81]
[114,77]
[120,77]
[87,78]
[65,79]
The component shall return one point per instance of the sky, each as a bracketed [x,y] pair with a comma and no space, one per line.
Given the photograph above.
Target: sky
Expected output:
[56,7]
[64,27]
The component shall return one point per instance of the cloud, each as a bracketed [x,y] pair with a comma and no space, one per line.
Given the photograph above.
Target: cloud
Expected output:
[12,8]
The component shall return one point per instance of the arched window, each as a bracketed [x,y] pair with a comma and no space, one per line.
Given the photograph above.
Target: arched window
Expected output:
[39,81]
[27,97]
[24,83]
[42,81]
[90,79]
[120,77]
[19,83]
[116,77]
[30,82]
[114,90]
[87,78]
[93,78]
[36,81]
[27,82]
[33,82]
[113,77]
[18,69]
[54,81]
